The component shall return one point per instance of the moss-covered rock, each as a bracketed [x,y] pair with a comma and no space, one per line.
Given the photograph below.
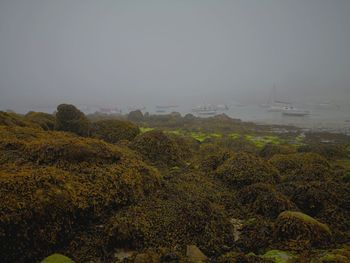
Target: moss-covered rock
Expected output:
[57,258]
[256,235]
[211,158]
[113,131]
[329,151]
[296,226]
[13,119]
[158,148]
[272,149]
[311,198]
[244,169]
[70,119]
[239,257]
[44,120]
[279,256]
[263,199]
[135,116]
[54,183]
[302,166]
[188,204]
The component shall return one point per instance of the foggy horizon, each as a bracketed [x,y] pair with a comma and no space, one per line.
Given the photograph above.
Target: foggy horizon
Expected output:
[134,53]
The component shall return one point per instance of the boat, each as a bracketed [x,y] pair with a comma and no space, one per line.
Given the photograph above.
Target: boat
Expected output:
[205,110]
[222,107]
[274,105]
[133,108]
[292,111]
[166,106]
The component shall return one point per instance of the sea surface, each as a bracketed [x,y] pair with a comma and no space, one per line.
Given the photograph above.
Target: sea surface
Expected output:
[320,119]
[333,119]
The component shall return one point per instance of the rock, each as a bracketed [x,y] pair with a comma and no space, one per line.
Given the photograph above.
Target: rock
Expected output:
[279,256]
[147,258]
[122,254]
[296,226]
[237,227]
[194,254]
[57,258]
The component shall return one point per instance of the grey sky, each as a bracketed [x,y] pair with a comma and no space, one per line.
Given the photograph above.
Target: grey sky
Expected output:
[180,51]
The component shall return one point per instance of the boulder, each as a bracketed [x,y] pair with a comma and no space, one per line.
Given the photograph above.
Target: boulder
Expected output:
[296,226]
[194,254]
[57,258]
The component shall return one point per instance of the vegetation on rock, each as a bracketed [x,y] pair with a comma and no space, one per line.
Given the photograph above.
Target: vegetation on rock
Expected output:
[298,227]
[44,120]
[244,169]
[113,131]
[228,187]
[69,118]
[158,148]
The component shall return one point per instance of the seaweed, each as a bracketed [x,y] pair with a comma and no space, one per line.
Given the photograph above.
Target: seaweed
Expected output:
[113,131]
[293,226]
[302,167]
[158,148]
[244,169]
[263,199]
[44,120]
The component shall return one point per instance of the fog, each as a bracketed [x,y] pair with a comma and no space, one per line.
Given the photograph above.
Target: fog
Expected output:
[120,53]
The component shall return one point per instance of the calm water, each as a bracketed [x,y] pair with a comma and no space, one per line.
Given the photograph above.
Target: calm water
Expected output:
[334,120]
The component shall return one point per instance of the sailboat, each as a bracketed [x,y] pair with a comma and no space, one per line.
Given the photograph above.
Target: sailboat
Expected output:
[274,105]
[292,111]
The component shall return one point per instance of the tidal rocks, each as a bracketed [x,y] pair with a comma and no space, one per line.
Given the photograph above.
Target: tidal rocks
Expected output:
[302,167]
[149,257]
[158,148]
[194,254]
[296,226]
[57,258]
[270,149]
[265,200]
[44,120]
[54,183]
[71,119]
[245,169]
[113,131]
[279,256]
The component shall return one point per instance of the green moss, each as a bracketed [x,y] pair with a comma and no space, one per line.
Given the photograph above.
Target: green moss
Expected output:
[176,132]
[145,129]
[199,136]
[57,258]
[234,136]
[278,256]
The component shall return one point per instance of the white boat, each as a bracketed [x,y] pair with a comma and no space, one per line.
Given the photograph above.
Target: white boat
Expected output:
[166,106]
[292,111]
[274,105]
[205,110]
